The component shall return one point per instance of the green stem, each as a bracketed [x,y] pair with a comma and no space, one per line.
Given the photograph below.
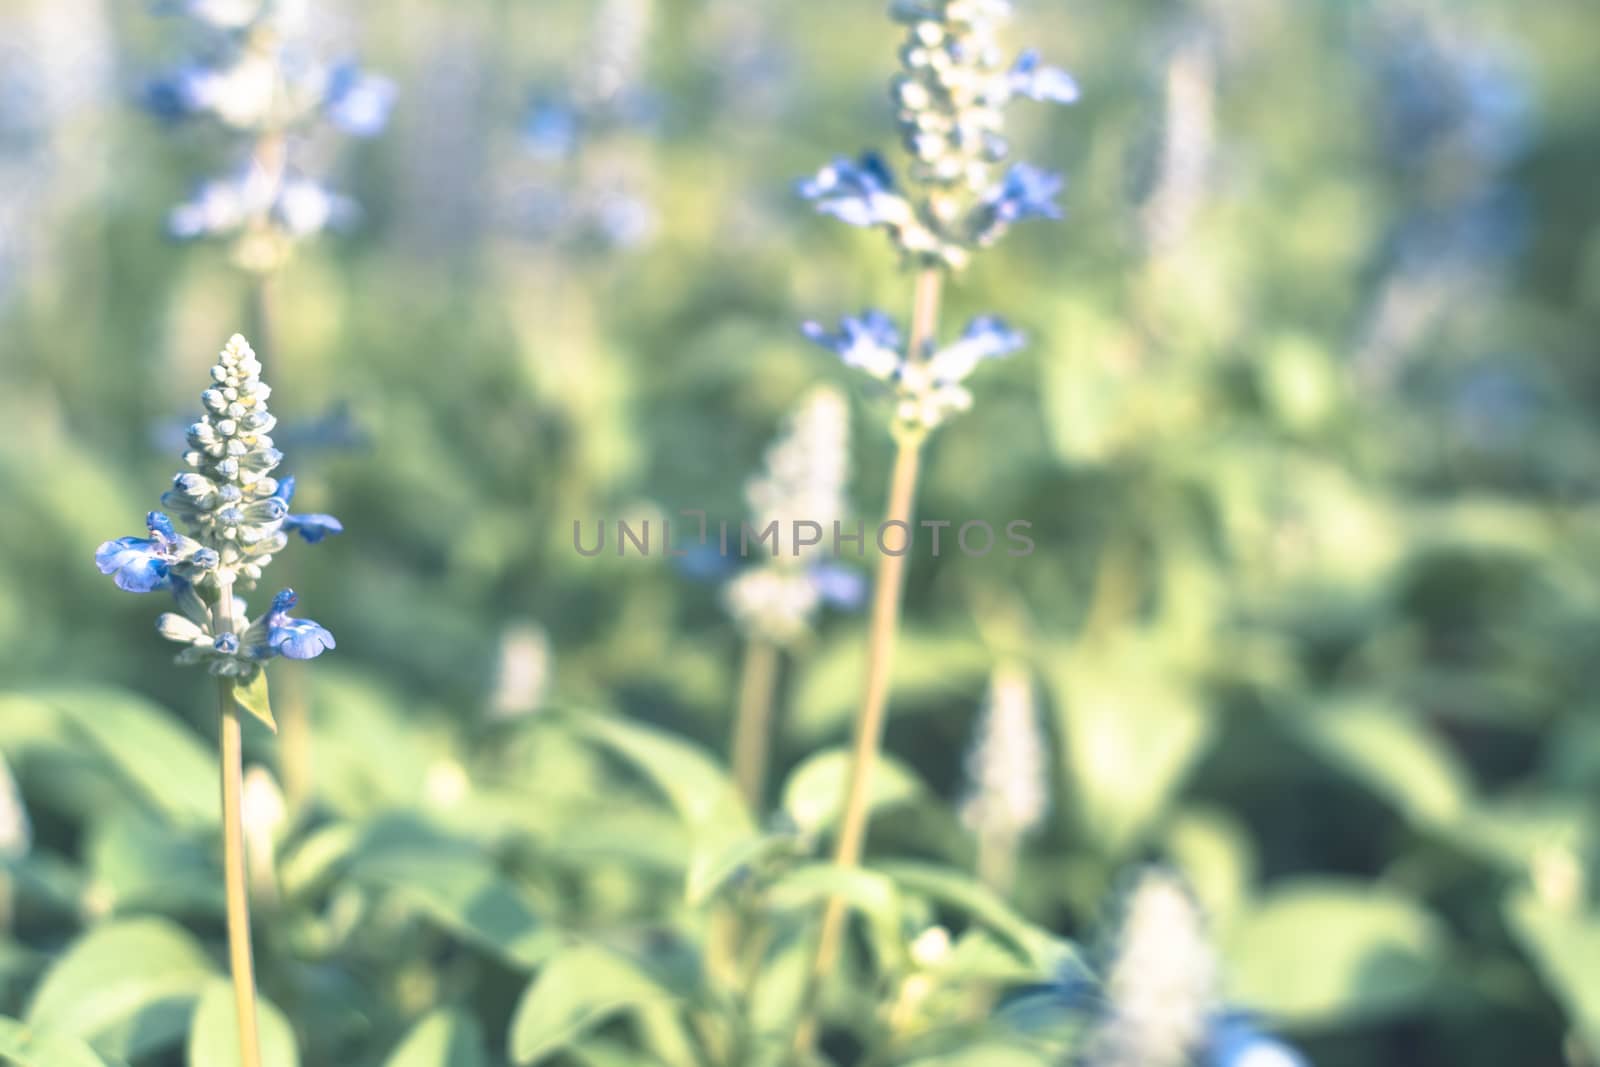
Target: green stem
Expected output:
[240,959]
[752,724]
[883,629]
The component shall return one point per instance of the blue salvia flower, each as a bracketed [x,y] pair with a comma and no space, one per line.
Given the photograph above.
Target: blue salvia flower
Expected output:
[257,78]
[1236,1041]
[311,528]
[951,96]
[236,514]
[928,388]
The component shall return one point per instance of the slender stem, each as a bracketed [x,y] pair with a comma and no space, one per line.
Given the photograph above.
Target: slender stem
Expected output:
[294,716]
[240,960]
[752,725]
[881,634]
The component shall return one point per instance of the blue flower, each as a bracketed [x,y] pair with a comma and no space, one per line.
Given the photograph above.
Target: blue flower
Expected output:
[839,585]
[312,528]
[178,95]
[141,564]
[1026,192]
[552,130]
[860,193]
[1045,84]
[294,638]
[871,342]
[358,103]
[986,337]
[1235,1041]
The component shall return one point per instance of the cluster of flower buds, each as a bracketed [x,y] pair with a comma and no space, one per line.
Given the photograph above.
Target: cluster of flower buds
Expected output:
[259,78]
[927,387]
[1008,764]
[1162,991]
[950,97]
[237,517]
[804,482]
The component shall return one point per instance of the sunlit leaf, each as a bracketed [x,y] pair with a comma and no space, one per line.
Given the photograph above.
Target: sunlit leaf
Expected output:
[1390,752]
[1565,945]
[577,990]
[214,1034]
[252,697]
[147,746]
[443,1039]
[128,987]
[1326,951]
[1048,954]
[813,796]
[1131,729]
[27,1046]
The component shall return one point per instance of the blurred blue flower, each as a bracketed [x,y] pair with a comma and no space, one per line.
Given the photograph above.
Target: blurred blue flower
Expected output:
[1235,1041]
[312,528]
[858,192]
[1043,83]
[294,638]
[300,206]
[1026,192]
[357,102]
[552,129]
[841,586]
[870,343]
[985,337]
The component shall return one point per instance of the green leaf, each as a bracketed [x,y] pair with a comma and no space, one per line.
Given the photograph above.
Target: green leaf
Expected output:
[694,783]
[443,1039]
[577,990]
[26,1046]
[1044,951]
[1131,730]
[1391,753]
[866,891]
[138,863]
[252,697]
[813,796]
[988,1054]
[709,878]
[144,744]
[214,1033]
[1566,948]
[1319,951]
[456,885]
[127,987]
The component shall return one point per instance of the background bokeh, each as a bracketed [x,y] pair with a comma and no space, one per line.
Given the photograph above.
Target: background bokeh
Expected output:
[1306,430]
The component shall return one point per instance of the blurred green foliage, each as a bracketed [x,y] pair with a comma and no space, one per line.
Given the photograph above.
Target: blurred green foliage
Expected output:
[1306,432]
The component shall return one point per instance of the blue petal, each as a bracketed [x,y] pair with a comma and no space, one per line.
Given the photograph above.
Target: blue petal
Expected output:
[839,585]
[858,192]
[870,342]
[300,639]
[1045,84]
[359,103]
[1235,1041]
[285,490]
[313,527]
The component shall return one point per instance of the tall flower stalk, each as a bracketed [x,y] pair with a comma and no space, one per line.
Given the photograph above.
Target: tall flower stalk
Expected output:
[1008,776]
[258,78]
[236,518]
[950,93]
[774,603]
